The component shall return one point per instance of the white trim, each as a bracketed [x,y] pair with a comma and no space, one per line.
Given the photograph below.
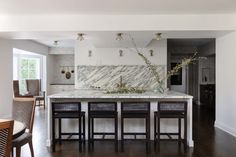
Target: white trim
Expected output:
[228,129]
[48,143]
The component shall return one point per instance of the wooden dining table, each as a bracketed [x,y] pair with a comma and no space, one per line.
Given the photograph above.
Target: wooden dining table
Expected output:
[18,128]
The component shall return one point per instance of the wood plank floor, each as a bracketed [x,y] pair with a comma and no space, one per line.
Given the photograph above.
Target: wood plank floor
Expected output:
[209,142]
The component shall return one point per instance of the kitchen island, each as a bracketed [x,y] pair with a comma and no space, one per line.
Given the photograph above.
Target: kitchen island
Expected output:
[84,96]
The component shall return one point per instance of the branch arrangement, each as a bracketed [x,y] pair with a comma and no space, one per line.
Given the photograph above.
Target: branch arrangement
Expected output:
[153,69]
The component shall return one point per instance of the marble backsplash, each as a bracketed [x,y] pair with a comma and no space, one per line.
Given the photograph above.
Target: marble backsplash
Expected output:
[107,76]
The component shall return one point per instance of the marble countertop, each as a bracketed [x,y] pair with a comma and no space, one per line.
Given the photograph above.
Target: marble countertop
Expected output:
[87,94]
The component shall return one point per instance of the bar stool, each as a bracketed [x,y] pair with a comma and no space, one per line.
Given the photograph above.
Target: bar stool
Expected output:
[68,110]
[104,110]
[135,110]
[173,110]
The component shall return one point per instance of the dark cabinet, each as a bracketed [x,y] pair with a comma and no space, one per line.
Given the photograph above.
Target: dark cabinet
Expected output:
[207,95]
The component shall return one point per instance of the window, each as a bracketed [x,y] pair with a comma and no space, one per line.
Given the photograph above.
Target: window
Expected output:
[29,68]
[26,65]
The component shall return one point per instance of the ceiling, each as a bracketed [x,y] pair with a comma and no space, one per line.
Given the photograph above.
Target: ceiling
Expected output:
[105,39]
[17,7]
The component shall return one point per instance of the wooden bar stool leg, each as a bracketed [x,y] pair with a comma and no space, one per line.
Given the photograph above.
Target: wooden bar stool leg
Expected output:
[179,126]
[84,138]
[147,134]
[59,130]
[155,131]
[89,133]
[116,134]
[122,134]
[158,131]
[92,134]
[53,134]
[80,139]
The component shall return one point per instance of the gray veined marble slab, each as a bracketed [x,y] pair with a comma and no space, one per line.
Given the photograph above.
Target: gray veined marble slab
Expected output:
[107,76]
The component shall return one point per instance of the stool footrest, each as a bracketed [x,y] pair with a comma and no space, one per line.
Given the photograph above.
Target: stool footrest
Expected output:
[71,134]
[102,133]
[134,133]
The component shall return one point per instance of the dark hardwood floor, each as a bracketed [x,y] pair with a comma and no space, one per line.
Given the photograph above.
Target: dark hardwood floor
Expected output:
[209,142]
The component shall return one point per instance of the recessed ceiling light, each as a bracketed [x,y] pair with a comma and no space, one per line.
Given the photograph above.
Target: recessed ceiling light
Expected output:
[158,36]
[80,36]
[119,36]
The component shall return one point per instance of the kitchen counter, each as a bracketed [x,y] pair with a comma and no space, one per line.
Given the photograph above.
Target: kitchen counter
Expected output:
[85,95]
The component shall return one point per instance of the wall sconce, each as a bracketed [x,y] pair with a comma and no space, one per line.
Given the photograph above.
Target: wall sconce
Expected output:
[151,53]
[69,70]
[121,53]
[89,53]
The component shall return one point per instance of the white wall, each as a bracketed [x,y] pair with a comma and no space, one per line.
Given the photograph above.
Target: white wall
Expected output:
[6,68]
[110,56]
[57,62]
[226,83]
[61,50]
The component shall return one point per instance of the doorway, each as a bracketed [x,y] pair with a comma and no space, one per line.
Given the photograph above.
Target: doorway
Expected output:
[196,79]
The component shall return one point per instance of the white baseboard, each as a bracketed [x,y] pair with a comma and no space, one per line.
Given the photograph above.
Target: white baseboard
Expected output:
[48,143]
[226,128]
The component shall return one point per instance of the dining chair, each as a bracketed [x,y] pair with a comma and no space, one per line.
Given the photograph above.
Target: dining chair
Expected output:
[23,111]
[16,90]
[34,90]
[6,130]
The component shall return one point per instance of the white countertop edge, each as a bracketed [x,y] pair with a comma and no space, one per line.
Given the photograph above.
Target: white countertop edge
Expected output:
[91,94]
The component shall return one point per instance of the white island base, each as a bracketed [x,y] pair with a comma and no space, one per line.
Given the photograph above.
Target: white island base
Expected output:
[85,96]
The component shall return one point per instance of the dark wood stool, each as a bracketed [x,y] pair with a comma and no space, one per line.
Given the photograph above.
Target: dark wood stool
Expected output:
[174,110]
[135,110]
[104,110]
[68,110]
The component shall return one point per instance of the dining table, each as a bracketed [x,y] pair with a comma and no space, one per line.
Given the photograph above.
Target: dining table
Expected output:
[18,128]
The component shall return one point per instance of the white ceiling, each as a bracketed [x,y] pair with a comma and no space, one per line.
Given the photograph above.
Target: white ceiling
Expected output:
[104,39]
[16,7]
